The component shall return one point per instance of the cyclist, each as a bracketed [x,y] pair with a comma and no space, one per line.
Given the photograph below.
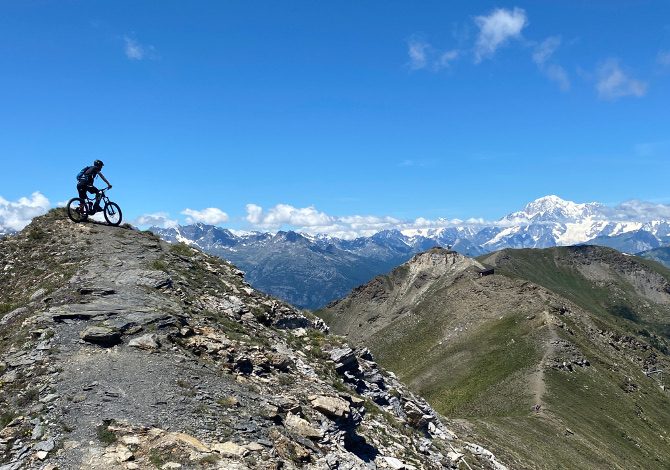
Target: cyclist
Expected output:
[85,180]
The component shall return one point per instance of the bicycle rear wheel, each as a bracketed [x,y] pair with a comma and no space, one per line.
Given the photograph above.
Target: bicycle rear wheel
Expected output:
[112,213]
[75,210]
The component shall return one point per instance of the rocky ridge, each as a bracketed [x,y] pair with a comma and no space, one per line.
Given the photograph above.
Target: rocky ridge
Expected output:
[118,350]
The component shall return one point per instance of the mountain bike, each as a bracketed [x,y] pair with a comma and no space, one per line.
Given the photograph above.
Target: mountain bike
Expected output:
[79,212]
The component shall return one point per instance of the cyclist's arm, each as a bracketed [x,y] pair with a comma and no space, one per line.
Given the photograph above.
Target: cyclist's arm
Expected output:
[105,179]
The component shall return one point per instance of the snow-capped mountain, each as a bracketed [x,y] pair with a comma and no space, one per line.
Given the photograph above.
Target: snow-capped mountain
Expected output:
[554,209]
[310,270]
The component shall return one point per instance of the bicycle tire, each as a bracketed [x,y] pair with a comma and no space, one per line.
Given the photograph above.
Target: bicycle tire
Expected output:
[74,210]
[111,212]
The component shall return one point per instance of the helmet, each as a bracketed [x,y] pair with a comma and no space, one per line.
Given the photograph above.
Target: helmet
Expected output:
[98,164]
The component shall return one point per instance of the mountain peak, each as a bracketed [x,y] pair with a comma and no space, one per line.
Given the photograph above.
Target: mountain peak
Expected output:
[552,208]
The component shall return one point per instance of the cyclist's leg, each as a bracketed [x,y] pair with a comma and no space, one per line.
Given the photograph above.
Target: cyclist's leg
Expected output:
[81,189]
[93,190]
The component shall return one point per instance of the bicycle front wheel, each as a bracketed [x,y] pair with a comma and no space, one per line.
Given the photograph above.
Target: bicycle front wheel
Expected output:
[112,213]
[75,210]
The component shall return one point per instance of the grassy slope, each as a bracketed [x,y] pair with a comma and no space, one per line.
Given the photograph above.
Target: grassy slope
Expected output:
[618,305]
[611,426]
[482,374]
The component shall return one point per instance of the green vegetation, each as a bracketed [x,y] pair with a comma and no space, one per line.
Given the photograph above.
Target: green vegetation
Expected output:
[159,265]
[182,249]
[105,435]
[615,299]
[6,417]
[6,308]
[481,374]
[36,234]
[156,458]
[28,397]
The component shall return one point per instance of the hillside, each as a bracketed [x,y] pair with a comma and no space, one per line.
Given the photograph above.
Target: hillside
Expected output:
[550,354]
[118,350]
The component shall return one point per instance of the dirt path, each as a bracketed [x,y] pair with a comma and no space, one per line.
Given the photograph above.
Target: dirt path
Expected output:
[537,384]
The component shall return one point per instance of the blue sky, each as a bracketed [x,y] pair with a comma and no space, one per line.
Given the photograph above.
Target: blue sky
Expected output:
[300,113]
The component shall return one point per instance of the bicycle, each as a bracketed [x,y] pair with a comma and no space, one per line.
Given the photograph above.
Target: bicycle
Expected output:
[79,213]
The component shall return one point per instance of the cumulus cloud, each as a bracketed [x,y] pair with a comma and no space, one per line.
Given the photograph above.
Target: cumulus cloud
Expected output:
[496,29]
[641,211]
[210,215]
[417,51]
[136,51]
[613,82]
[285,214]
[156,219]
[15,215]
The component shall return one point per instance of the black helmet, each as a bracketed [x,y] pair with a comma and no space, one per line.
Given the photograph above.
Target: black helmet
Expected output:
[98,164]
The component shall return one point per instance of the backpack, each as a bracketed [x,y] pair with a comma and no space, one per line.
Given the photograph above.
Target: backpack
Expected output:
[82,177]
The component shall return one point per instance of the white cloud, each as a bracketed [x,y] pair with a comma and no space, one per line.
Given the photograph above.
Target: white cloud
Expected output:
[417,51]
[136,51]
[557,74]
[254,214]
[663,58]
[424,56]
[546,49]
[496,29]
[285,214]
[541,56]
[210,215]
[17,214]
[157,219]
[446,58]
[640,211]
[614,83]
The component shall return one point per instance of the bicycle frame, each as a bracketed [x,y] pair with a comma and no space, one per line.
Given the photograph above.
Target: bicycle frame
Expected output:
[103,198]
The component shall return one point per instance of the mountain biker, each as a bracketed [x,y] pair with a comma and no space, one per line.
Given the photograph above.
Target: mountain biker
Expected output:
[85,181]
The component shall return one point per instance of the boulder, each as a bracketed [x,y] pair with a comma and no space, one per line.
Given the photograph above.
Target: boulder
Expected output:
[230,449]
[147,342]
[394,463]
[101,335]
[302,427]
[37,294]
[331,406]
[344,359]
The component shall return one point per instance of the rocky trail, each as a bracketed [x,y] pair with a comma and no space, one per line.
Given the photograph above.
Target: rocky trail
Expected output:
[118,350]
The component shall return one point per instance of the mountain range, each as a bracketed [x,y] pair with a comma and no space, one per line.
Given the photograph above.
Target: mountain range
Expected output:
[311,270]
